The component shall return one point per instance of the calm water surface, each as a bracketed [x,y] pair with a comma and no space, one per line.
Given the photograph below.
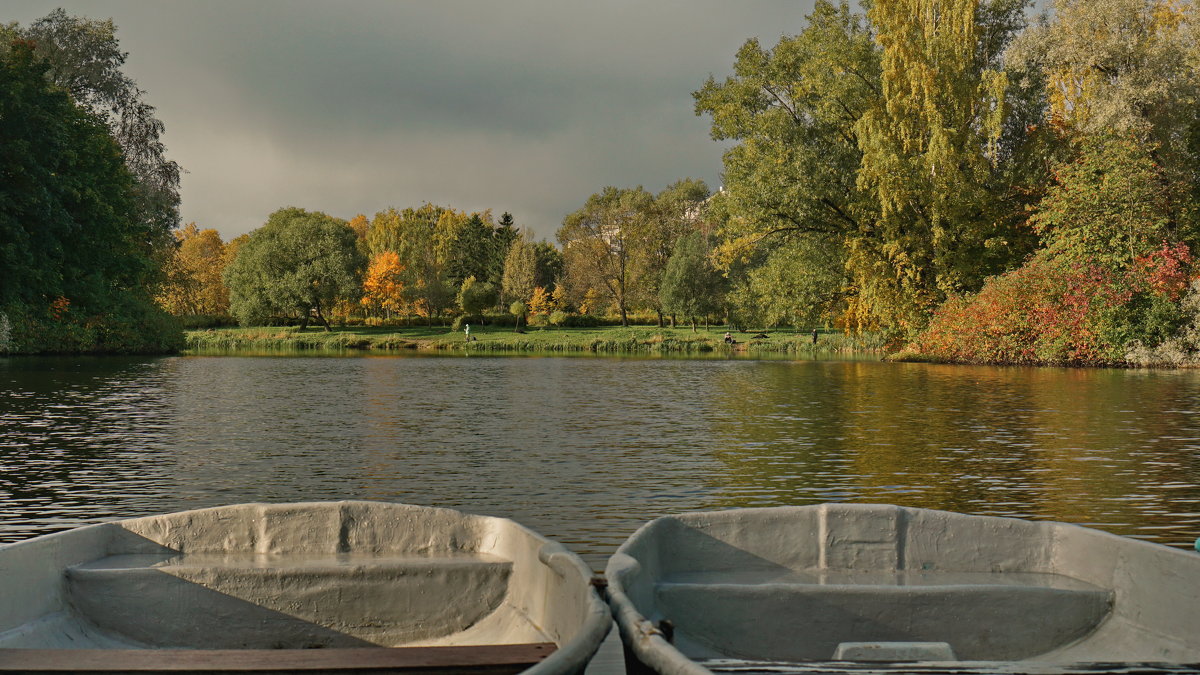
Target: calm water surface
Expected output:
[586,449]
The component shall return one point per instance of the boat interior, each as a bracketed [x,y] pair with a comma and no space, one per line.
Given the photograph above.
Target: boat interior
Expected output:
[845,582]
[299,576]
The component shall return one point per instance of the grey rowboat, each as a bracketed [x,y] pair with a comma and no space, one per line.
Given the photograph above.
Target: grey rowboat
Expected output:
[876,588]
[224,589]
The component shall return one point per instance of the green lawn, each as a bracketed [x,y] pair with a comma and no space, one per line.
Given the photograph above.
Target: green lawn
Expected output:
[606,339]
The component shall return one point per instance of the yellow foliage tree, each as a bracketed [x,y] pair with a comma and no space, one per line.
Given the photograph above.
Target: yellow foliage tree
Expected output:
[193,284]
[383,287]
[593,302]
[541,303]
[360,225]
[929,150]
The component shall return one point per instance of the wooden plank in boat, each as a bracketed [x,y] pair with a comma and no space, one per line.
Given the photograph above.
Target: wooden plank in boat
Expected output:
[481,659]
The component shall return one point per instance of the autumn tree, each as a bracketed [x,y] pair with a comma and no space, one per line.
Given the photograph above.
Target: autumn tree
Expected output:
[520,271]
[541,302]
[193,282]
[598,244]
[383,285]
[1124,67]
[881,139]
[930,147]
[426,239]
[299,261]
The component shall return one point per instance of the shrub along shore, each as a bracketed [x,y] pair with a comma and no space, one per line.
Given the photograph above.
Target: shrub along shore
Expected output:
[602,339]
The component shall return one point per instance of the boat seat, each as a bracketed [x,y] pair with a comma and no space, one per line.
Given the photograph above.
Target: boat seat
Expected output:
[805,615]
[483,659]
[247,601]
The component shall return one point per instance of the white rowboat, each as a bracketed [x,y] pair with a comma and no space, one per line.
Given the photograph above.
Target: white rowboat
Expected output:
[223,589]
[877,588]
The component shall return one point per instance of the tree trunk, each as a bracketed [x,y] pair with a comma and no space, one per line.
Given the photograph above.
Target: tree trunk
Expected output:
[322,318]
[624,316]
[693,324]
[672,320]
[304,321]
[660,317]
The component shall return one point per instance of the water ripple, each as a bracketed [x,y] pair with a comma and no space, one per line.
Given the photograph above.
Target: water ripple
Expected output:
[585,450]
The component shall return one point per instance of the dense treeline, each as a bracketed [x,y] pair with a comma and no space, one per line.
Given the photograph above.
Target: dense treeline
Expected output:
[87,199]
[981,187]
[977,185]
[625,250]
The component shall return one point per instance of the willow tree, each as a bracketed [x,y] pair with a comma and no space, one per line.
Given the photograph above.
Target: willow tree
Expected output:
[930,158]
[880,145]
[299,261]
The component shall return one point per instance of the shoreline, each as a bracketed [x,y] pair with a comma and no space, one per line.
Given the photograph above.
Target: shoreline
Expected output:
[614,340]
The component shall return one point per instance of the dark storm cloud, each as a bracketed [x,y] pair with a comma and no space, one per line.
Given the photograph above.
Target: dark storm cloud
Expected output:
[527,107]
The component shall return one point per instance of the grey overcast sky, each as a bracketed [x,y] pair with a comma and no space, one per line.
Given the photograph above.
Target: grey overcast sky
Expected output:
[352,107]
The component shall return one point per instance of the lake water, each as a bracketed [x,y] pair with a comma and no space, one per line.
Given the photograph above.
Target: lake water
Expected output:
[584,450]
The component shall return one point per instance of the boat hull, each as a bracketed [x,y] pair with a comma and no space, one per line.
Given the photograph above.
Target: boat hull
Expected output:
[336,575]
[848,584]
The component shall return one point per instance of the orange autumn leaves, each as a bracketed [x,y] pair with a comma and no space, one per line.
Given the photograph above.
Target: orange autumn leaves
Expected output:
[383,287]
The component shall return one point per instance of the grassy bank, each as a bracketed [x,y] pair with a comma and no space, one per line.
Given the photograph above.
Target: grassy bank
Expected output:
[603,339]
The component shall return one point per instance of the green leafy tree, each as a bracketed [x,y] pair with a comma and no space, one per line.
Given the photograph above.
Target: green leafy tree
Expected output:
[793,284]
[84,58]
[518,310]
[675,211]
[475,296]
[75,267]
[794,111]
[881,139]
[471,251]
[503,237]
[690,285]
[549,264]
[1109,206]
[299,261]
